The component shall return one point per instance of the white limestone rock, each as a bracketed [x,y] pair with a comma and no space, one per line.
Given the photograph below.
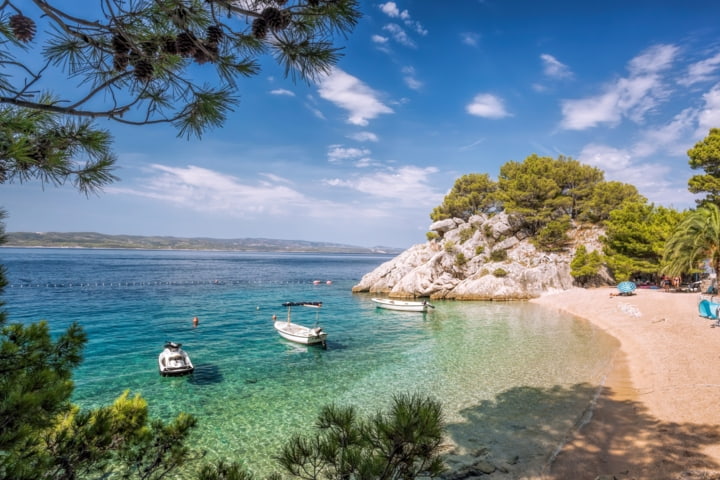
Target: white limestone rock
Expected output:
[459,265]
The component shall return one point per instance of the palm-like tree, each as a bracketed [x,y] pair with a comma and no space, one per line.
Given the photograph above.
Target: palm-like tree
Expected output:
[697,238]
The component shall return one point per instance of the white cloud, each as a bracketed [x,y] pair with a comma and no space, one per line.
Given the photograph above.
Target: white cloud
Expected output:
[606,158]
[471,39]
[554,68]
[649,178]
[410,78]
[379,39]
[282,91]
[709,116]
[407,186]
[390,9]
[203,190]
[487,106]
[670,138]
[349,93]
[701,71]
[364,137]
[632,97]
[338,153]
[653,60]
[618,165]
[396,31]
[400,36]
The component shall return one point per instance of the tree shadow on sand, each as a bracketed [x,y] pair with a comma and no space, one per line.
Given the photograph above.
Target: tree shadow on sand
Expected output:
[520,432]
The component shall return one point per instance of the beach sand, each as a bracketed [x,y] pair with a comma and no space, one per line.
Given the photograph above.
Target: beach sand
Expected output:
[658,414]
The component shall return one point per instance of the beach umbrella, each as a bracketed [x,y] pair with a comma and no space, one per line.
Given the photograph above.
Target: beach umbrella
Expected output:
[626,287]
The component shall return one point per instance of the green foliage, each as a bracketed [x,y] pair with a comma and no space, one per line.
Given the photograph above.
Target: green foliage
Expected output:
[43,145]
[466,234]
[400,444]
[499,272]
[471,194]
[432,236]
[449,246]
[606,197]
[584,266]
[35,386]
[139,63]
[635,238]
[225,471]
[553,236]
[498,255]
[165,61]
[696,238]
[542,189]
[705,155]
[460,259]
[479,249]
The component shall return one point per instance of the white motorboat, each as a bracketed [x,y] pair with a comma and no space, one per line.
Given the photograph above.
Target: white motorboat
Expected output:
[299,333]
[406,306]
[174,360]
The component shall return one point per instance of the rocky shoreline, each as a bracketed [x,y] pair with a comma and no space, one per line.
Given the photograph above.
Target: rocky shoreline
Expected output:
[483,258]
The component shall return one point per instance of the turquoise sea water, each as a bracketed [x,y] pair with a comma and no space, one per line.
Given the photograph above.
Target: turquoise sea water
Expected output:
[513,377]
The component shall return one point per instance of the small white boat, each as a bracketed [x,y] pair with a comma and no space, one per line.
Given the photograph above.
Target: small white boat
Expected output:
[299,333]
[406,306]
[174,360]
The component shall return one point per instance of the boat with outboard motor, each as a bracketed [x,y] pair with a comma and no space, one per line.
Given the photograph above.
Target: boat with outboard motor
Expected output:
[173,360]
[405,306]
[299,333]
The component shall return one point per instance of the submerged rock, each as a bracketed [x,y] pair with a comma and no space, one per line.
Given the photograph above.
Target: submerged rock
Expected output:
[484,258]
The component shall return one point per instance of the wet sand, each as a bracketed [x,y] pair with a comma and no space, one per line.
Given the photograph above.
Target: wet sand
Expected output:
[658,415]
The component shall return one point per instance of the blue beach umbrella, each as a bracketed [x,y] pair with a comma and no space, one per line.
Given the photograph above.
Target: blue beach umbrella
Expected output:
[626,287]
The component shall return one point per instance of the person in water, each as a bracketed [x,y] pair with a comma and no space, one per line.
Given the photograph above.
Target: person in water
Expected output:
[195,321]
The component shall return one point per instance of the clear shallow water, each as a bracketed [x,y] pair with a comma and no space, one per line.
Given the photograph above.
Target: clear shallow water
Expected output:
[513,378]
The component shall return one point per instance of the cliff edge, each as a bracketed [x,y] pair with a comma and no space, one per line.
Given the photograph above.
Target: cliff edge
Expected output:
[483,258]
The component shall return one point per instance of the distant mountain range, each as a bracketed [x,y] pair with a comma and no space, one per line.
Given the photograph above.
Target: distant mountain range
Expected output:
[99,240]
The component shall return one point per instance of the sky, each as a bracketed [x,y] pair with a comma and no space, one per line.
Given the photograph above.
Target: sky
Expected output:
[425,92]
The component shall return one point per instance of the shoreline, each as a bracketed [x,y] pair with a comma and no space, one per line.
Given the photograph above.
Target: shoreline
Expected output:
[658,413]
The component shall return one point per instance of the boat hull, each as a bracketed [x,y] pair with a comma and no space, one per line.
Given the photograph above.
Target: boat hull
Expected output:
[405,306]
[174,361]
[300,334]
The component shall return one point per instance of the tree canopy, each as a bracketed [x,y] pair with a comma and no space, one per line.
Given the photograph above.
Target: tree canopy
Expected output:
[705,155]
[545,195]
[138,63]
[696,239]
[160,61]
[635,238]
[471,194]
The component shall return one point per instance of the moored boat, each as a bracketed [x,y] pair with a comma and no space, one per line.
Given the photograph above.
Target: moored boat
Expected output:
[173,360]
[300,333]
[406,306]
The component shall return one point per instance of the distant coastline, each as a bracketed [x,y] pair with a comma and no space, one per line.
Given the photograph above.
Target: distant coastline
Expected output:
[138,242]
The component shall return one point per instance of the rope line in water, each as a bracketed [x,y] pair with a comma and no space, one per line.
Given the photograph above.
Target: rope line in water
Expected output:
[156,283]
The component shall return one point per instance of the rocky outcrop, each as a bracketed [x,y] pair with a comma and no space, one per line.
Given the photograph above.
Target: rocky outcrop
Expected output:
[484,258]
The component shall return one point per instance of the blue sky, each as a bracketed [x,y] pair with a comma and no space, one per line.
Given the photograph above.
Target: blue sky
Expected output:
[426,92]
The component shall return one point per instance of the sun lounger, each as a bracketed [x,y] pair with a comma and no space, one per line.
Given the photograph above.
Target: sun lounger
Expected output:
[708,309]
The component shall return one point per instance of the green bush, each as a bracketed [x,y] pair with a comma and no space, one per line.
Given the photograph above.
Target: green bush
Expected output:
[449,246]
[466,234]
[432,236]
[553,236]
[498,255]
[499,272]
[460,259]
[479,249]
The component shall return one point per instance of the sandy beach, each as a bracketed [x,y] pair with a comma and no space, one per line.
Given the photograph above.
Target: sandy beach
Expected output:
[658,416]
